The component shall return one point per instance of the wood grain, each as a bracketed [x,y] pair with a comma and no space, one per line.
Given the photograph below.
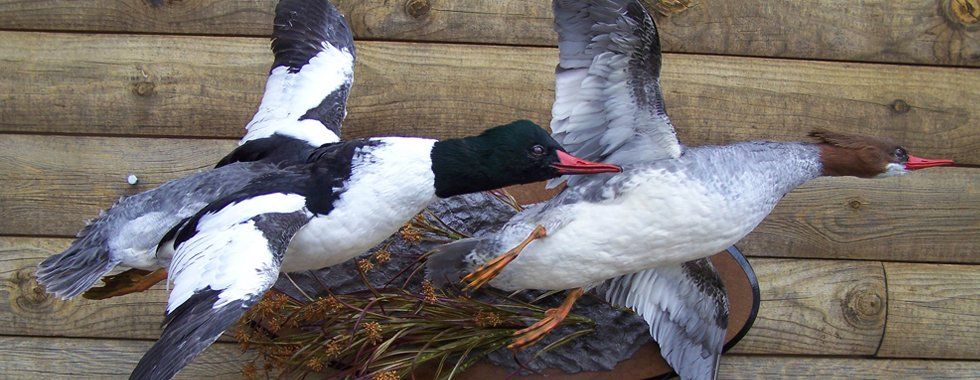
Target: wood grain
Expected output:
[734,366]
[51,184]
[25,309]
[811,306]
[930,216]
[763,367]
[58,358]
[904,31]
[826,308]
[209,87]
[933,311]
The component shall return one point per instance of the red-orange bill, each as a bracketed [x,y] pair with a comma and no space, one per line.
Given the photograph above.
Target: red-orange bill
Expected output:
[916,163]
[569,164]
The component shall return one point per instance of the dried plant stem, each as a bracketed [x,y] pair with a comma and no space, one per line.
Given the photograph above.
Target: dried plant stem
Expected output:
[388,332]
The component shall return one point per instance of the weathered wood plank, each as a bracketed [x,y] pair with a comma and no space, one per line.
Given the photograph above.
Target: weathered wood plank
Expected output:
[763,367]
[823,308]
[26,309]
[51,184]
[933,311]
[130,85]
[58,358]
[787,367]
[925,216]
[904,31]
[209,87]
[834,307]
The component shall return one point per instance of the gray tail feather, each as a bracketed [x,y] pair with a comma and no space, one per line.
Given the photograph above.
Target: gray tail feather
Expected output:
[189,330]
[447,264]
[75,270]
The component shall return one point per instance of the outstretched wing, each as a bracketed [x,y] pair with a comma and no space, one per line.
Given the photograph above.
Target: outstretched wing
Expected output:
[306,94]
[608,104]
[226,258]
[687,309]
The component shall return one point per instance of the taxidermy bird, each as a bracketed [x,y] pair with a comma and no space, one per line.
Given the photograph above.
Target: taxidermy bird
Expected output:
[637,230]
[351,197]
[233,229]
[303,107]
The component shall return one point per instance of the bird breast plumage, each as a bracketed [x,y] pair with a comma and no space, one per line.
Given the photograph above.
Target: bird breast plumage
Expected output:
[389,185]
[658,217]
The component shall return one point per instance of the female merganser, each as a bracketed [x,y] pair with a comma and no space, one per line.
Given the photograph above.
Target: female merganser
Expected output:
[302,108]
[670,205]
[354,195]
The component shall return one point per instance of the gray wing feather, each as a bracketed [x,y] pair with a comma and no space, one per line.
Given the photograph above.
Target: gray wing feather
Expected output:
[608,104]
[687,310]
[128,232]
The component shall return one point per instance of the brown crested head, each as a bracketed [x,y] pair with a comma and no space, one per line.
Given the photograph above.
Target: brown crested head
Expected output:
[845,154]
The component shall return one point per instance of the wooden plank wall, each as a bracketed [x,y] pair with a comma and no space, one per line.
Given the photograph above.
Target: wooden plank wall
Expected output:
[859,278]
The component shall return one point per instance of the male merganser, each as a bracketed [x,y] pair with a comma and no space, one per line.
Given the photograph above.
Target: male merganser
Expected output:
[305,99]
[354,195]
[303,107]
[670,205]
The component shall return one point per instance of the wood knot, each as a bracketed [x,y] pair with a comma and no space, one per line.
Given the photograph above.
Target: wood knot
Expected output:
[855,204]
[864,306]
[144,88]
[418,8]
[30,297]
[899,106]
[142,85]
[671,7]
[963,12]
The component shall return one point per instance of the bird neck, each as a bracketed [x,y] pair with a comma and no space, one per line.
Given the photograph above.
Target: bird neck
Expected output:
[772,169]
[838,161]
[465,165]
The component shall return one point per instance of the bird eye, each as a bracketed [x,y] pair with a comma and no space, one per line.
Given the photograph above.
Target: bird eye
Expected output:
[537,150]
[901,153]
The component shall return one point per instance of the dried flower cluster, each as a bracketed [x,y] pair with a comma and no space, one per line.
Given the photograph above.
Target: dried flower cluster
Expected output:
[382,256]
[373,332]
[390,375]
[411,234]
[365,265]
[429,292]
[487,319]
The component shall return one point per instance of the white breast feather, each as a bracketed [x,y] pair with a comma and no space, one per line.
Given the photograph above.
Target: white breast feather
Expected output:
[389,185]
[662,218]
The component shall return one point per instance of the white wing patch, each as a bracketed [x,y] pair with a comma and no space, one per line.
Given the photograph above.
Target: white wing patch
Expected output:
[244,210]
[228,253]
[236,261]
[289,96]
